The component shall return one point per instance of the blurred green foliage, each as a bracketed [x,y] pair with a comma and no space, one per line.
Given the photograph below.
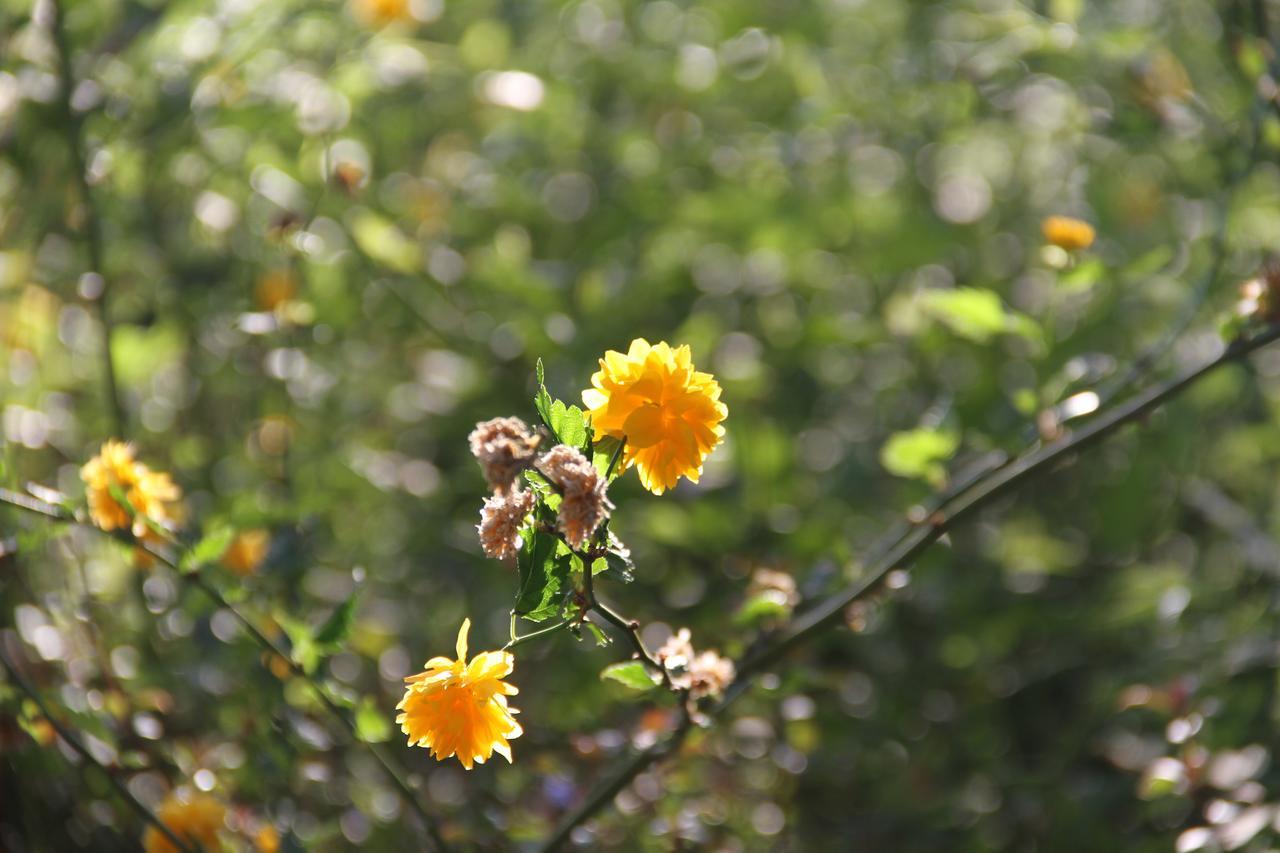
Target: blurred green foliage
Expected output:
[333,242]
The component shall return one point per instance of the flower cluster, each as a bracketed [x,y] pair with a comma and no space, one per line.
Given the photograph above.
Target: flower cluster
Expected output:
[549,512]
[124,494]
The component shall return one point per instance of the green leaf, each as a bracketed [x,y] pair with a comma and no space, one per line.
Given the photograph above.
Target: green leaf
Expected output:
[337,627]
[976,315]
[615,565]
[302,642]
[919,453]
[208,550]
[631,674]
[544,576]
[761,608]
[569,424]
[601,638]
[373,725]
[1083,276]
[384,242]
[542,400]
[603,455]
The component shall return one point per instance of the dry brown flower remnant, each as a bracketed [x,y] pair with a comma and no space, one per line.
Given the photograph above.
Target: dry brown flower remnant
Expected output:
[504,447]
[583,504]
[501,518]
[701,673]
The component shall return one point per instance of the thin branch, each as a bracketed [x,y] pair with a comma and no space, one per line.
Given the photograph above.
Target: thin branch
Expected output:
[533,635]
[76,744]
[209,590]
[610,788]
[1001,482]
[971,497]
[73,131]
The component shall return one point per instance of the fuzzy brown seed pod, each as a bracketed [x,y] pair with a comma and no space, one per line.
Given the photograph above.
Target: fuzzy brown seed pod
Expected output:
[504,447]
[583,504]
[500,521]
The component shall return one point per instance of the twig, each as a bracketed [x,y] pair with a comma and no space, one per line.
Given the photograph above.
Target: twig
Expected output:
[533,635]
[998,484]
[1001,480]
[607,790]
[200,582]
[73,129]
[76,744]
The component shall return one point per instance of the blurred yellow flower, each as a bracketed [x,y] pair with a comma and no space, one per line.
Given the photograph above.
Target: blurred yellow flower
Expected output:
[669,413]
[1067,233]
[151,494]
[267,840]
[274,289]
[191,817]
[247,551]
[379,13]
[456,708]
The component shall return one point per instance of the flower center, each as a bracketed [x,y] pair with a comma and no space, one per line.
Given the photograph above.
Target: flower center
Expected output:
[648,425]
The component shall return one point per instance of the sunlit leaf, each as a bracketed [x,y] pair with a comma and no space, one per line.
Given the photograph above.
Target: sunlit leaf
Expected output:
[632,674]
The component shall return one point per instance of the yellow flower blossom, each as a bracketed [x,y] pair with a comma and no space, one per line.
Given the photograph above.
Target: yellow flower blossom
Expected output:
[459,708]
[1067,233]
[379,13]
[669,413]
[247,551]
[152,494]
[267,840]
[192,817]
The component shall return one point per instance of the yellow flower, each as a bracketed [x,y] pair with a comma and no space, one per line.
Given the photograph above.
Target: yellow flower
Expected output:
[192,817]
[267,840]
[379,13]
[1067,233]
[669,413]
[459,708]
[151,494]
[247,551]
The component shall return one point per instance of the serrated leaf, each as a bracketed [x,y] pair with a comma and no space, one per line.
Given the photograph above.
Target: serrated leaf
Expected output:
[544,576]
[373,725]
[615,566]
[631,674]
[208,550]
[337,627]
[568,423]
[919,453]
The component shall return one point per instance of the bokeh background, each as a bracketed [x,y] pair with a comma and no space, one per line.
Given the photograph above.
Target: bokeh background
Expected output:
[336,235]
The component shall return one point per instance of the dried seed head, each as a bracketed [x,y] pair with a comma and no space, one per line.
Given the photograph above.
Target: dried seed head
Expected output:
[710,674]
[583,504]
[504,447]
[701,673]
[500,521]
